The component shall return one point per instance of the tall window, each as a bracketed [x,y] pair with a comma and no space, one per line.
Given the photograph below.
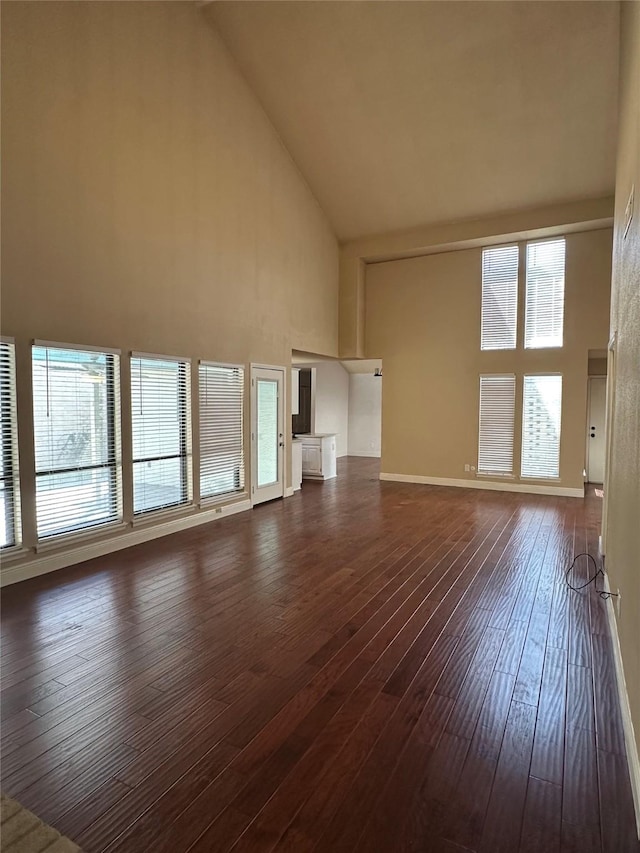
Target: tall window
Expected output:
[499,297]
[542,404]
[495,438]
[161,426]
[76,420]
[221,394]
[9,482]
[544,301]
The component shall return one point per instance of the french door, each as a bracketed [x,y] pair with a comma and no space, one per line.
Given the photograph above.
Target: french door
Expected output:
[267,433]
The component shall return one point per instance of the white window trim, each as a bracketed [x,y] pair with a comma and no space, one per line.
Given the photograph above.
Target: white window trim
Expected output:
[205,501]
[81,347]
[143,515]
[58,540]
[552,239]
[529,478]
[18,547]
[153,516]
[44,543]
[161,357]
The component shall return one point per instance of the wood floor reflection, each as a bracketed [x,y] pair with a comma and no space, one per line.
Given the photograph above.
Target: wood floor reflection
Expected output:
[365,666]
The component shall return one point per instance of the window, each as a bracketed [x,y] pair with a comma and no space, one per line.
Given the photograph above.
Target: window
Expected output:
[76,418]
[221,447]
[544,302]
[160,415]
[499,297]
[495,437]
[541,412]
[10,485]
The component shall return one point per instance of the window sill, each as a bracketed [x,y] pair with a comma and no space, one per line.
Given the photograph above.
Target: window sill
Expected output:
[156,515]
[541,479]
[228,498]
[13,553]
[64,539]
[484,476]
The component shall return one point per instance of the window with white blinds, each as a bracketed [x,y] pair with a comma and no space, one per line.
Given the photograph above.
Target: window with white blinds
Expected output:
[76,425]
[221,394]
[544,299]
[541,417]
[499,297]
[161,432]
[9,483]
[495,435]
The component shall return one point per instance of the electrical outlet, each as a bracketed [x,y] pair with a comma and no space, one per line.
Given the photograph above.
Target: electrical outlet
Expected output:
[473,467]
[467,467]
[218,509]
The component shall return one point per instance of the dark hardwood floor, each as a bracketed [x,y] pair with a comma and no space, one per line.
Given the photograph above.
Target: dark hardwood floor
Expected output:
[363,667]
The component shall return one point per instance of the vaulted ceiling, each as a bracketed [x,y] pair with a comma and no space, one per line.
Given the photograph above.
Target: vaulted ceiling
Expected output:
[400,114]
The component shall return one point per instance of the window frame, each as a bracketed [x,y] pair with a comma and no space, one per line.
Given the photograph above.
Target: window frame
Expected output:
[11,454]
[528,243]
[515,308]
[114,440]
[185,438]
[555,478]
[502,475]
[217,497]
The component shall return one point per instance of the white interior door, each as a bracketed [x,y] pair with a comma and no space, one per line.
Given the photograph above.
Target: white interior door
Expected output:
[595,429]
[267,433]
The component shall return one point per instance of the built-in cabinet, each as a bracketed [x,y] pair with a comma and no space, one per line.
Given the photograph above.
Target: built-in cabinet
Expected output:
[318,456]
[296,464]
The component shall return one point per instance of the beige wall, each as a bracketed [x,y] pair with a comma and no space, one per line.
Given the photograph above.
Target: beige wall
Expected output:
[423,320]
[566,218]
[623,486]
[147,202]
[331,402]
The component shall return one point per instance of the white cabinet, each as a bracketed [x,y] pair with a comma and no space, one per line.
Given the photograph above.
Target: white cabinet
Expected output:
[295,391]
[296,464]
[318,457]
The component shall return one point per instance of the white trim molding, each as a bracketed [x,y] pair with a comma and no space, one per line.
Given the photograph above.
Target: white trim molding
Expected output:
[370,454]
[508,486]
[70,556]
[631,745]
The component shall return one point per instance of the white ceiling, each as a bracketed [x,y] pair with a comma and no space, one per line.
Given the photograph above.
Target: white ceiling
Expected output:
[400,114]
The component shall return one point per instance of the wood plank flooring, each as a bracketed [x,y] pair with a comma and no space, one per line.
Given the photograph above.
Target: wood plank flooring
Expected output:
[365,666]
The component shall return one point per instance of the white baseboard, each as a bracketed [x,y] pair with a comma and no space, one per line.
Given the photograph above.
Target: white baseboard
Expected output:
[633,759]
[289,492]
[51,562]
[370,454]
[491,485]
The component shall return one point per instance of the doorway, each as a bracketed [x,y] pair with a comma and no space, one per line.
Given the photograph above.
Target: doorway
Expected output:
[596,443]
[267,433]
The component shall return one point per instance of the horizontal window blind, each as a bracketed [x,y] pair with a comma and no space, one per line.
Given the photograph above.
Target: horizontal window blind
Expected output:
[161,432]
[9,483]
[221,393]
[495,436]
[499,297]
[541,416]
[76,423]
[544,300]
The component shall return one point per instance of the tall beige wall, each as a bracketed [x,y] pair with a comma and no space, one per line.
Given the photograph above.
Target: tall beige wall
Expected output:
[423,320]
[623,487]
[147,202]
